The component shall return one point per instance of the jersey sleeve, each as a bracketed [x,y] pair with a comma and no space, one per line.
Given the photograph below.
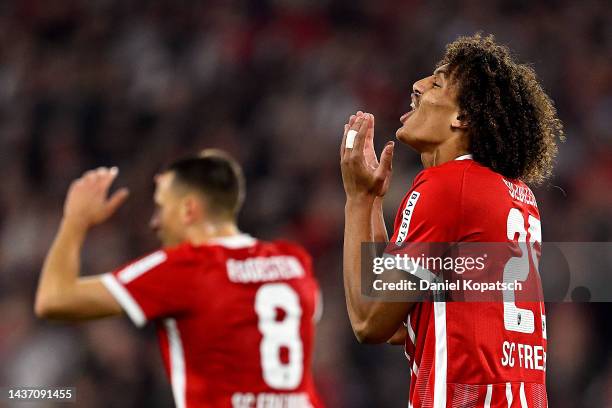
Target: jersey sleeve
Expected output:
[428,220]
[154,286]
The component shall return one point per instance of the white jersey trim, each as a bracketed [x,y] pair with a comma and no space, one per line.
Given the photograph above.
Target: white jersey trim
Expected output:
[177,363]
[125,299]
[441,352]
[522,396]
[464,157]
[509,396]
[487,403]
[234,241]
[131,272]
[411,333]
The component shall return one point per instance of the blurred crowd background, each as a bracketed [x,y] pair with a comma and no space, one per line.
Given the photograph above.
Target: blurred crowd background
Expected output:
[139,83]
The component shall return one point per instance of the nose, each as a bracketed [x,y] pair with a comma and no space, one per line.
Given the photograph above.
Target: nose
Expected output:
[420,86]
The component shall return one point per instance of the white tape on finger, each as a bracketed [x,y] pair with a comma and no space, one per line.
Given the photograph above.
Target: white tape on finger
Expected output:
[350,138]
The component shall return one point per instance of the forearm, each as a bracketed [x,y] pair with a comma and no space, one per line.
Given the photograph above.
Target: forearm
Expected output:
[373,321]
[61,267]
[379,229]
[357,229]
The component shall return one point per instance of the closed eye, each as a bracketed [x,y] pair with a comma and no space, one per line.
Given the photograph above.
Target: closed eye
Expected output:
[436,85]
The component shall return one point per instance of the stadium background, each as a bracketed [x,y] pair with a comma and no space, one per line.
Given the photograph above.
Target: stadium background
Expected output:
[136,84]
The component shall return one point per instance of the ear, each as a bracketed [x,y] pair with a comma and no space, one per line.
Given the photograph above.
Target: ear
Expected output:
[192,210]
[459,122]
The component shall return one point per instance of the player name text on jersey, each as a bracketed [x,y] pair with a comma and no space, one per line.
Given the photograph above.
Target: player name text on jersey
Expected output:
[262,269]
[270,400]
[522,194]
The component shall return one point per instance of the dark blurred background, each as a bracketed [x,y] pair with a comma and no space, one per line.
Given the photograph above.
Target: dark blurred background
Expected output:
[138,83]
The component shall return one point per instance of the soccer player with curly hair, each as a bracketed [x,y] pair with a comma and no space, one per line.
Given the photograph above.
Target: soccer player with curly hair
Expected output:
[483,127]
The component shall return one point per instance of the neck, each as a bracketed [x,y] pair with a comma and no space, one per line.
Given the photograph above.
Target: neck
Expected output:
[200,234]
[446,151]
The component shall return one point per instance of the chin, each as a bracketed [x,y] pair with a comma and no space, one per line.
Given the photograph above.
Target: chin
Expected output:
[405,136]
[416,142]
[166,241]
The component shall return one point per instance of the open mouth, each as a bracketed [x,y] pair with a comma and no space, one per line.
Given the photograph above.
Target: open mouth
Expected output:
[414,105]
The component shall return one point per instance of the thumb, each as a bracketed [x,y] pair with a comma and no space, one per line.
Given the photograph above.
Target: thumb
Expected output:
[386,159]
[116,200]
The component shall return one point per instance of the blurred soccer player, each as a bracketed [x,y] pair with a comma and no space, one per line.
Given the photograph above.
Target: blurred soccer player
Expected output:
[235,315]
[483,127]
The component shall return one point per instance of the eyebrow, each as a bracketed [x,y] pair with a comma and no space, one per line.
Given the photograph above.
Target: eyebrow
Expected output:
[441,71]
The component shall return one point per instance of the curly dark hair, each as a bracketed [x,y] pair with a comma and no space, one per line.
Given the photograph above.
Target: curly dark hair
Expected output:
[513,125]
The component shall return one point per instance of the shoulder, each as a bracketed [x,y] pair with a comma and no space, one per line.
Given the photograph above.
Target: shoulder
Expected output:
[445,177]
[443,184]
[433,207]
[286,247]
[181,252]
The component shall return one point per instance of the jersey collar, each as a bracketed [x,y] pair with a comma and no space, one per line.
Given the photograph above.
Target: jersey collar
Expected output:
[234,241]
[464,157]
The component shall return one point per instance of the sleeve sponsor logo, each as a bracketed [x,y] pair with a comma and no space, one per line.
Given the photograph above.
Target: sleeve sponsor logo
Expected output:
[407,216]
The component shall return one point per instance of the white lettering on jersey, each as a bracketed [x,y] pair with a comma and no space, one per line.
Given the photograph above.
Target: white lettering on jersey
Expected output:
[522,194]
[523,355]
[270,400]
[407,216]
[263,269]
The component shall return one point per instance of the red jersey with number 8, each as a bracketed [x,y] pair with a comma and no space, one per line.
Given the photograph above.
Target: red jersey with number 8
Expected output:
[476,354]
[235,320]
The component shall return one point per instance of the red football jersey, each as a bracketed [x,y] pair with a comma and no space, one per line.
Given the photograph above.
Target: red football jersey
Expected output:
[236,320]
[475,354]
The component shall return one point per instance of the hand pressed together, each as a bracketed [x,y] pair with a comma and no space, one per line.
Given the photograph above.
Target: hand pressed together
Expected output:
[362,174]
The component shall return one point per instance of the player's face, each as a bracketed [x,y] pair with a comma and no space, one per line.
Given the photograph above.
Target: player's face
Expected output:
[166,220]
[435,108]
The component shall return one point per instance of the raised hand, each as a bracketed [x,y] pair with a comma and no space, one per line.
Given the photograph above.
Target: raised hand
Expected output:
[362,174]
[87,202]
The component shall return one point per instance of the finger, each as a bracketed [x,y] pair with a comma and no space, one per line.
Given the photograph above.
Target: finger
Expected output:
[361,126]
[352,120]
[108,176]
[352,133]
[386,161]
[89,174]
[370,133]
[349,124]
[116,200]
[343,143]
